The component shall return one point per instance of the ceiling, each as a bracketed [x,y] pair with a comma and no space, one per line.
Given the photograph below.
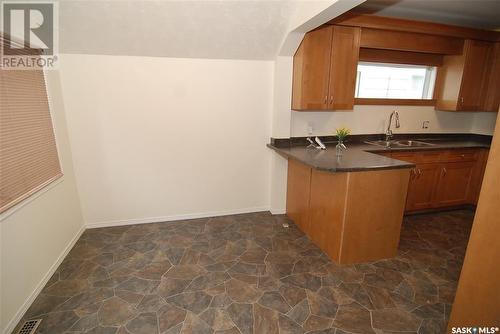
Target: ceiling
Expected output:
[484,14]
[234,29]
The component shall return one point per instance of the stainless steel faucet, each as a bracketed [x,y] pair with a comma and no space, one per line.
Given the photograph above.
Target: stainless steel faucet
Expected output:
[388,133]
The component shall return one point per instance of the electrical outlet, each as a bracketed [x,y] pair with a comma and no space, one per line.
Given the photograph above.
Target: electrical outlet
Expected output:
[425,124]
[310,129]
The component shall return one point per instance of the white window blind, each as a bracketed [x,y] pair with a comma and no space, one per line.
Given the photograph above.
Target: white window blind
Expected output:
[28,152]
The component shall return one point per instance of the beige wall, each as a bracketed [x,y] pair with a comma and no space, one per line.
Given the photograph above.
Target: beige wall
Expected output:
[156,139]
[36,234]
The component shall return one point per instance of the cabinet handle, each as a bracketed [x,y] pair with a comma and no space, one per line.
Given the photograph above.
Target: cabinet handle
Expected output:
[444,171]
[326,99]
[419,172]
[331,99]
[413,173]
[462,100]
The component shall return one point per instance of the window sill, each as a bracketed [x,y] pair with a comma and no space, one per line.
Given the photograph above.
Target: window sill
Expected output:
[395,102]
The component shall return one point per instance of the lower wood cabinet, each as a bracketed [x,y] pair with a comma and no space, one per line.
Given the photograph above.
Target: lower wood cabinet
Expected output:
[353,216]
[444,178]
[421,188]
[297,201]
[454,184]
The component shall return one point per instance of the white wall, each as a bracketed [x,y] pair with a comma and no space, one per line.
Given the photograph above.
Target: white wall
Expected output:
[36,234]
[374,119]
[155,138]
[484,123]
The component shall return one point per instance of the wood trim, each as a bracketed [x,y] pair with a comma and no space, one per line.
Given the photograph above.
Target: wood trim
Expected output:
[410,41]
[400,57]
[395,102]
[475,302]
[356,19]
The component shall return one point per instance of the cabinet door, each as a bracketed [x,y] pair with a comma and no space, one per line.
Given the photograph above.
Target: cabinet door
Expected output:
[311,70]
[421,189]
[492,91]
[343,70]
[474,79]
[454,183]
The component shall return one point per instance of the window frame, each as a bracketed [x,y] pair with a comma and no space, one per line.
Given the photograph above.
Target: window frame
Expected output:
[391,101]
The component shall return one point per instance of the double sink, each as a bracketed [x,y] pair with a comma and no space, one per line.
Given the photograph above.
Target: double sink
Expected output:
[399,143]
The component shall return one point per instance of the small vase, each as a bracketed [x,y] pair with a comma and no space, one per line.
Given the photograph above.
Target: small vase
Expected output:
[340,148]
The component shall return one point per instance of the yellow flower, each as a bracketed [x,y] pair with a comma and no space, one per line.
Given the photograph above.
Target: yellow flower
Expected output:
[342,133]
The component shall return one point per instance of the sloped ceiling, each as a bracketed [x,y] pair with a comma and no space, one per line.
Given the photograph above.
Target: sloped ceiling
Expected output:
[483,14]
[186,29]
[231,29]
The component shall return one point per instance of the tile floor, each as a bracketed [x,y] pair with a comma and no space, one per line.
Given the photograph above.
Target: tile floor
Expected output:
[248,274]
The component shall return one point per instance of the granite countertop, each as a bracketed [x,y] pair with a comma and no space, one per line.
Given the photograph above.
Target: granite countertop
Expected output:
[362,157]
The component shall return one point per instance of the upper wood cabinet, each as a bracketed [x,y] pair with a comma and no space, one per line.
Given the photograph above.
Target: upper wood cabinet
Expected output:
[324,69]
[462,81]
[325,64]
[311,70]
[492,89]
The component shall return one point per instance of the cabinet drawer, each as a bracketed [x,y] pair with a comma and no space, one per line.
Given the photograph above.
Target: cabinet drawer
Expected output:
[406,156]
[418,157]
[430,157]
[460,155]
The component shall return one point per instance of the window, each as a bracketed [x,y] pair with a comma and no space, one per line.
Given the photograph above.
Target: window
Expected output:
[395,81]
[28,152]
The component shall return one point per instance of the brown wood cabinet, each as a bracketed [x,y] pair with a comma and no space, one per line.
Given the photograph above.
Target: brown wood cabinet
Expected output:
[324,69]
[325,64]
[422,187]
[444,178]
[463,81]
[342,212]
[492,89]
[454,184]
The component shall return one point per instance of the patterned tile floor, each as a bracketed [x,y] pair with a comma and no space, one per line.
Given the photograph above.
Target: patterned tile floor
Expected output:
[248,274]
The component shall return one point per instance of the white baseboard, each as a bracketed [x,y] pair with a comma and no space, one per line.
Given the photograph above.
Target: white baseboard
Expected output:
[174,217]
[22,310]
[277,211]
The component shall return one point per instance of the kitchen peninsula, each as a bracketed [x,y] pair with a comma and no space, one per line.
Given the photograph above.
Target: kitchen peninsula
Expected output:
[352,206]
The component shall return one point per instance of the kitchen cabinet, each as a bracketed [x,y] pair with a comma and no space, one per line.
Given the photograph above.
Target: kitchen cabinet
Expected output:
[462,81]
[325,64]
[492,90]
[443,178]
[422,186]
[311,69]
[454,183]
[324,69]
[341,212]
